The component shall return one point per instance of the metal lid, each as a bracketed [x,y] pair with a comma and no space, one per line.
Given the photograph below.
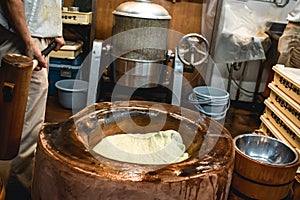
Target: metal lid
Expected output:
[142,9]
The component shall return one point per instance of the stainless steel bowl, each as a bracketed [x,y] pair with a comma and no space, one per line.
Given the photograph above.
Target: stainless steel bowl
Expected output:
[265,149]
[73,9]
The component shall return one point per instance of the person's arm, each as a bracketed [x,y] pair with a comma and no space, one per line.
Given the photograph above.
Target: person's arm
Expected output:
[17,18]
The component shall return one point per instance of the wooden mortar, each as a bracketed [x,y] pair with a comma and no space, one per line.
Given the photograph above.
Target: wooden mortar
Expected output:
[66,169]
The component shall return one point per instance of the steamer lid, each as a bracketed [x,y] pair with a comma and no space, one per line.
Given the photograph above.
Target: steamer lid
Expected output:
[142,9]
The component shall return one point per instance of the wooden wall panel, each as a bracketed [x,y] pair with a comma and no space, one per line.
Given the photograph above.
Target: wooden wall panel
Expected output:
[68,3]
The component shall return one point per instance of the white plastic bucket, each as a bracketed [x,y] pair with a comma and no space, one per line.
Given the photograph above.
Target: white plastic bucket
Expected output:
[213,107]
[72,93]
[213,115]
[211,101]
[212,93]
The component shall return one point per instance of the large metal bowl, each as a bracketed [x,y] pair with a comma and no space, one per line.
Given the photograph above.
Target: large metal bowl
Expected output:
[265,149]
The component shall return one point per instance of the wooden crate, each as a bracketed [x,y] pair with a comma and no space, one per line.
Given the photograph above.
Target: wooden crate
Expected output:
[268,129]
[80,18]
[69,51]
[285,104]
[284,126]
[288,80]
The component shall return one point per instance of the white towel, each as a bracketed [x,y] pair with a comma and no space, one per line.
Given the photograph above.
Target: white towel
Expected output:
[162,147]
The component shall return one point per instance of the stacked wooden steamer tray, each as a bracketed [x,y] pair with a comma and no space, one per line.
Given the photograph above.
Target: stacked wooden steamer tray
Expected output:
[281,118]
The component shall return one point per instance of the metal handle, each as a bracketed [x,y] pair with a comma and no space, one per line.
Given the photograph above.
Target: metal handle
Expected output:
[45,52]
[49,48]
[8,91]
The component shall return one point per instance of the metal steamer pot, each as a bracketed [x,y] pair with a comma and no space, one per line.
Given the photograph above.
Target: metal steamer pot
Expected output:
[140,35]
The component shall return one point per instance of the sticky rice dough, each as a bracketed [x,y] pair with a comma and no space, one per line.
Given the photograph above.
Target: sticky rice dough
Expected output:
[162,147]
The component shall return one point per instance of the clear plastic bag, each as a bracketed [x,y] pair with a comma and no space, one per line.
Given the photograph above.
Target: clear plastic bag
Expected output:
[241,34]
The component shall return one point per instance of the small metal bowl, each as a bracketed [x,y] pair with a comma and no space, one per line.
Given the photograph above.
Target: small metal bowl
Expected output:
[73,9]
[265,149]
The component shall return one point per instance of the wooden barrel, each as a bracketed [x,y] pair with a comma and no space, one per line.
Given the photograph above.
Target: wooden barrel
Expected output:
[253,179]
[249,189]
[66,169]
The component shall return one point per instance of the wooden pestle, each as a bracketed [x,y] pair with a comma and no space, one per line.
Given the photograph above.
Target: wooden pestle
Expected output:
[15,75]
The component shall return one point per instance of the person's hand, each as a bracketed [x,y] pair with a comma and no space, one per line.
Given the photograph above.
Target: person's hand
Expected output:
[59,43]
[33,51]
